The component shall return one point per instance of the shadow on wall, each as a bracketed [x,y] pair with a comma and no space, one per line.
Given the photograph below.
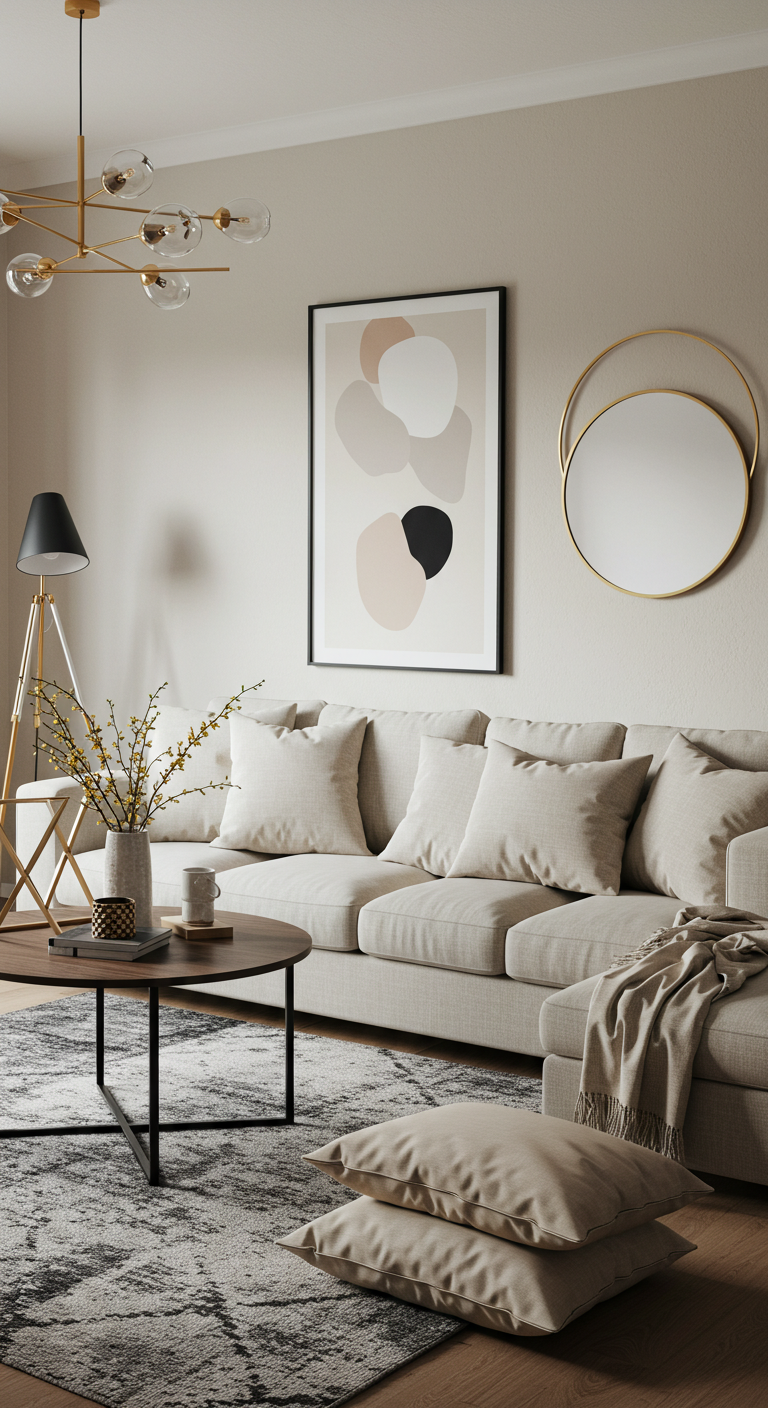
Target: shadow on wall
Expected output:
[174,571]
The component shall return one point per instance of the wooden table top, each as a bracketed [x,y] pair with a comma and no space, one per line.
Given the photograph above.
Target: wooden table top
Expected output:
[259,946]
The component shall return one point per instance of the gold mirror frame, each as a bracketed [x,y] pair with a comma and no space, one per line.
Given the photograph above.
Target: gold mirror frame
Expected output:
[565,460]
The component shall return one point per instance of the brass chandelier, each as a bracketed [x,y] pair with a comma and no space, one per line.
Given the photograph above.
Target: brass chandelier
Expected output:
[170,230]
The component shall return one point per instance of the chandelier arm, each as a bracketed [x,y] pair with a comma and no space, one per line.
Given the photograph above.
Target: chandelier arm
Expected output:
[39,207]
[30,195]
[99,192]
[47,228]
[126,269]
[59,262]
[96,248]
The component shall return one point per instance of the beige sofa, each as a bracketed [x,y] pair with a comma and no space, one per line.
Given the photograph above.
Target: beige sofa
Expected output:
[498,963]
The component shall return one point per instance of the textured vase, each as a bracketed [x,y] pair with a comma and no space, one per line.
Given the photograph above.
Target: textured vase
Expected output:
[128,871]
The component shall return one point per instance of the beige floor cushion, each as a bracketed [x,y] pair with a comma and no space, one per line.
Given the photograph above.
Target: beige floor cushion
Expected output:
[458,924]
[512,1173]
[460,1271]
[558,947]
[561,743]
[390,757]
[321,894]
[168,858]
[294,791]
[550,823]
[307,710]
[696,806]
[433,827]
[197,817]
[734,1041]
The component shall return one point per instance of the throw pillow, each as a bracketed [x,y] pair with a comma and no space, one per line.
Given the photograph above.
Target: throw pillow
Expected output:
[294,792]
[550,823]
[460,1271]
[198,817]
[695,807]
[446,785]
[512,1173]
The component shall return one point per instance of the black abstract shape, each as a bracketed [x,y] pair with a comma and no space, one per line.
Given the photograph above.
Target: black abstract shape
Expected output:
[429,534]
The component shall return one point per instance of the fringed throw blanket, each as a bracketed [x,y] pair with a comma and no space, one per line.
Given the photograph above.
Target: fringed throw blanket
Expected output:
[645,1020]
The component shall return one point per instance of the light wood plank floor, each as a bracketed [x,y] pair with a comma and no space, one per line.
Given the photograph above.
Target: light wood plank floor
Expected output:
[692,1338]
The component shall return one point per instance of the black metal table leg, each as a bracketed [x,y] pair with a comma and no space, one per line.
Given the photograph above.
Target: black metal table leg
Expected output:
[99,1036]
[154,1087]
[289,1021]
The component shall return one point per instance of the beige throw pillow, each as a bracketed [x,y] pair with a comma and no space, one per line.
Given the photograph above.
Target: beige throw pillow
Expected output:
[550,823]
[459,1271]
[446,785]
[198,817]
[695,807]
[294,792]
[512,1173]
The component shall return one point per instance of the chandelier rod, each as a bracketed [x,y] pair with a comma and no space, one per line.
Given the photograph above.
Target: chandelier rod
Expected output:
[80,129]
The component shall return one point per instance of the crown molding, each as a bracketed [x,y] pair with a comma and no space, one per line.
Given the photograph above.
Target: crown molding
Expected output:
[729,54]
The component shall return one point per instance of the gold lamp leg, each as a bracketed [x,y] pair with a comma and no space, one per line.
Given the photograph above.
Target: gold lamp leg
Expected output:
[40,638]
[17,703]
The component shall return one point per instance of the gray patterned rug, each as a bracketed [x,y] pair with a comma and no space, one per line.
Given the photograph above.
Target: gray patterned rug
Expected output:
[177,1297]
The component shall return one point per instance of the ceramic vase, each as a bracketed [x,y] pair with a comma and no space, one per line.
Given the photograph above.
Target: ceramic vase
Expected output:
[128,871]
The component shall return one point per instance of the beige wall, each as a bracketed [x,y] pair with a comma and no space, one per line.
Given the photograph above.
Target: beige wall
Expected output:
[179,439]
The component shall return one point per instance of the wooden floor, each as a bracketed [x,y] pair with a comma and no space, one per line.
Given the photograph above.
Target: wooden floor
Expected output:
[695,1337]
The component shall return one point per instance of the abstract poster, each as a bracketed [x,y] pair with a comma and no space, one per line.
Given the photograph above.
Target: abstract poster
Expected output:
[406,456]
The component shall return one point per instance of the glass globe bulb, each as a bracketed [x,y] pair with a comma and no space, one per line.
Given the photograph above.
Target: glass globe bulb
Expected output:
[167,289]
[172,230]
[22,276]
[7,218]
[127,174]
[243,220]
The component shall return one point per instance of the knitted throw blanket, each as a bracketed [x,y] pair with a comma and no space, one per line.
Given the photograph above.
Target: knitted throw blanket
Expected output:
[645,1020]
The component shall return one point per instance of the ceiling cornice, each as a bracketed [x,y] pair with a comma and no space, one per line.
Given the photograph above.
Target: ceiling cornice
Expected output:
[729,54]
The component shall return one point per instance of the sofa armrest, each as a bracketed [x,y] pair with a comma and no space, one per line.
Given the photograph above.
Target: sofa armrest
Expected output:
[32,820]
[746,872]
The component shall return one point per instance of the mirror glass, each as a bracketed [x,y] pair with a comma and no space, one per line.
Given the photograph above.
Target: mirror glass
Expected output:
[655,493]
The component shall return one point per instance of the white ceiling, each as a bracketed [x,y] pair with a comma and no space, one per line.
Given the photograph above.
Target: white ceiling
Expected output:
[192,79]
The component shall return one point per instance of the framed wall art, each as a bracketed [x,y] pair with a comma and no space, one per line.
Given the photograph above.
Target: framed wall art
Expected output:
[406,473]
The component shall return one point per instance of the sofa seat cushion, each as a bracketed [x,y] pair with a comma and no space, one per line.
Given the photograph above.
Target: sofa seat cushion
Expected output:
[321,894]
[460,924]
[734,1042]
[557,947]
[169,858]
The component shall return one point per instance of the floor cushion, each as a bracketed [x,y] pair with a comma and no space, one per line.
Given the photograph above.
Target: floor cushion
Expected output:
[557,947]
[460,924]
[734,1042]
[168,858]
[321,894]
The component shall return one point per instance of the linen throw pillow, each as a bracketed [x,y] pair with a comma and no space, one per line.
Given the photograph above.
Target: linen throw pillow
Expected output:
[294,792]
[550,823]
[198,817]
[695,807]
[446,785]
[511,1173]
[460,1271]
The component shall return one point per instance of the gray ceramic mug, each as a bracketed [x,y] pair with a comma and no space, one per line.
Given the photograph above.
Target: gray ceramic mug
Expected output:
[198,892]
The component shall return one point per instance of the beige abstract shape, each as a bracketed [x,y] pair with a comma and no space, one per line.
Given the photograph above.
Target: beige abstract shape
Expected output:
[441,460]
[391,582]
[376,439]
[378,335]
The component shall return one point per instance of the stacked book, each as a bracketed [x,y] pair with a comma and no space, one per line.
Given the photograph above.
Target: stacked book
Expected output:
[80,943]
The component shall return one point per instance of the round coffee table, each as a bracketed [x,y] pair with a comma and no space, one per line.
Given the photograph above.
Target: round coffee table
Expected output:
[259,946]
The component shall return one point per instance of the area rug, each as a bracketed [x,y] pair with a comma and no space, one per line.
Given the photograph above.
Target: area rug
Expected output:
[177,1297]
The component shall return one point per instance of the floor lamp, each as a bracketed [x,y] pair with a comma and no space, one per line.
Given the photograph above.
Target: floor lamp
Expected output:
[51,547]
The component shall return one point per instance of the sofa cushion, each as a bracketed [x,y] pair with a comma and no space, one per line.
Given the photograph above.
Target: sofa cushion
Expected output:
[557,947]
[736,747]
[390,758]
[433,827]
[294,791]
[550,823]
[695,807]
[560,743]
[458,924]
[321,894]
[734,1041]
[460,1271]
[168,859]
[197,817]
[307,710]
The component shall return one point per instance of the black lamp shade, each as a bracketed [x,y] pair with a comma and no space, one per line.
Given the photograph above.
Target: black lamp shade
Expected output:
[51,546]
